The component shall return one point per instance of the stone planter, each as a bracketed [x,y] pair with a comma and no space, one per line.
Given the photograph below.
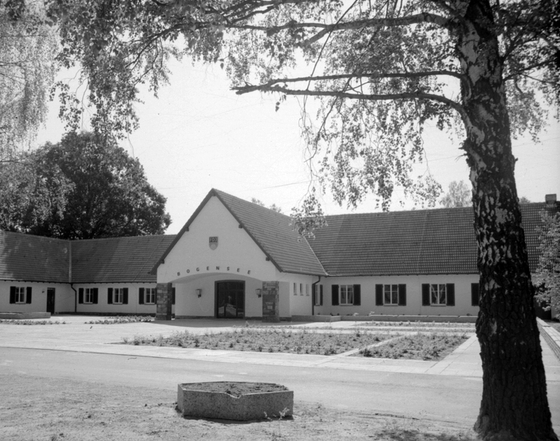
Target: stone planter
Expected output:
[238,401]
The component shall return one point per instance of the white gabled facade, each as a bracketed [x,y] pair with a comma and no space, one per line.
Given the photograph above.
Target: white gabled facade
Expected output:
[214,249]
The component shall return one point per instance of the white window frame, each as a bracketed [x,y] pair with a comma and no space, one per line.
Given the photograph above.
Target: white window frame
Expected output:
[317,300]
[21,294]
[346,295]
[150,296]
[391,295]
[118,296]
[438,294]
[88,295]
[307,289]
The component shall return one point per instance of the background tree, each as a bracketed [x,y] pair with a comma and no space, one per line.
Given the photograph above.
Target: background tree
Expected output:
[381,71]
[83,188]
[458,195]
[548,270]
[27,53]
[30,194]
[273,207]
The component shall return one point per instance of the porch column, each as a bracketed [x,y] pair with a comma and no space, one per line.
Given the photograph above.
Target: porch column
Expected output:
[163,299]
[270,302]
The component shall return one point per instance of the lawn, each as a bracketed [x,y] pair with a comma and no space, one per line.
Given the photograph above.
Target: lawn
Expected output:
[396,344]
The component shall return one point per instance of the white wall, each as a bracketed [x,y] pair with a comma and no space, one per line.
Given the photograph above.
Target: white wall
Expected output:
[236,255]
[64,297]
[413,293]
[300,294]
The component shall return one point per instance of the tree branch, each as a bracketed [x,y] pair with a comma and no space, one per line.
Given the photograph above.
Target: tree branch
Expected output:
[339,94]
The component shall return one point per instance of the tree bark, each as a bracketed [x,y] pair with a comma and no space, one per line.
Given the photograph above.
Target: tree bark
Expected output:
[514,402]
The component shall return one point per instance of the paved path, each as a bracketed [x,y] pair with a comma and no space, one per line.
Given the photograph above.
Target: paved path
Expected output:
[79,336]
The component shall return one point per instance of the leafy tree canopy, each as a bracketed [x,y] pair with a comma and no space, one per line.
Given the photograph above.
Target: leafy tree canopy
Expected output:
[458,195]
[81,188]
[381,70]
[27,68]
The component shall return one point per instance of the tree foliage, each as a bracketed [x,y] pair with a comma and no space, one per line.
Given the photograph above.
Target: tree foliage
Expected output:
[381,72]
[81,188]
[273,207]
[458,195]
[27,68]
[548,270]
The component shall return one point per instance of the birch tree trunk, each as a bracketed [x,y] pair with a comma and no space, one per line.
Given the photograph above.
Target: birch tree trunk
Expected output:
[514,399]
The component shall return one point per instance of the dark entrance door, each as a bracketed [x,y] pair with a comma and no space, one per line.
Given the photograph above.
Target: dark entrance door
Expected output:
[50,300]
[230,299]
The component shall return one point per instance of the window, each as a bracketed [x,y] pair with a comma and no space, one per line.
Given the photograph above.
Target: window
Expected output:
[146,296]
[88,295]
[301,289]
[307,289]
[150,296]
[346,295]
[118,296]
[317,295]
[20,294]
[390,295]
[295,289]
[440,294]
[475,294]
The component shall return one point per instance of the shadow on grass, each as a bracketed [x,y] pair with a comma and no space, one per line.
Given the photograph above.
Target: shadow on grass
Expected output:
[415,435]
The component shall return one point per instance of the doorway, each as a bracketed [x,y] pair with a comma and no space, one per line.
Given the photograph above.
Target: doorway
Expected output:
[230,299]
[50,300]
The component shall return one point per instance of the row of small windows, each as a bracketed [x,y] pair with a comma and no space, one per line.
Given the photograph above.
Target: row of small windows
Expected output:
[116,296]
[301,289]
[436,294]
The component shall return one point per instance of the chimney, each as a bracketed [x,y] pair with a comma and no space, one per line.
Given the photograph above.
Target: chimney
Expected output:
[550,200]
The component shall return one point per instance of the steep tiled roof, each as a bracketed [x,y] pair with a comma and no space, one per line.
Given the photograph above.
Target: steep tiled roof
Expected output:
[439,241]
[33,258]
[123,259]
[273,233]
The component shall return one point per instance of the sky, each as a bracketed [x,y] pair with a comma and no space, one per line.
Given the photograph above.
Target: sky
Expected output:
[198,135]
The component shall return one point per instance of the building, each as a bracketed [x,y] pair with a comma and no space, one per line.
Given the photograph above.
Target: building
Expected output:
[237,259]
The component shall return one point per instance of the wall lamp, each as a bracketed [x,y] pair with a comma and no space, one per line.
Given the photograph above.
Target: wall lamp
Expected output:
[258,291]
[199,292]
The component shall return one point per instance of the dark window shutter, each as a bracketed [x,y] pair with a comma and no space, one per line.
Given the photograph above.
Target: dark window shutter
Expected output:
[314,294]
[125,296]
[140,296]
[321,295]
[81,295]
[402,295]
[450,294]
[109,296]
[12,294]
[29,292]
[475,295]
[334,292]
[425,294]
[357,295]
[95,295]
[379,295]
[173,295]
